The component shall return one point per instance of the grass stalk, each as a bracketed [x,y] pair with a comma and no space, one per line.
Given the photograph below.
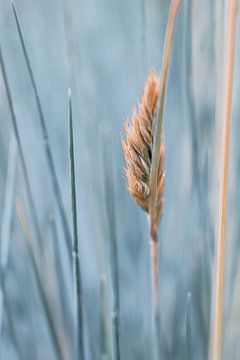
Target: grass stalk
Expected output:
[110,209]
[61,278]
[105,345]
[168,44]
[9,317]
[75,251]
[20,149]
[189,326]
[8,201]
[6,221]
[5,242]
[229,55]
[42,292]
[49,157]
[188,86]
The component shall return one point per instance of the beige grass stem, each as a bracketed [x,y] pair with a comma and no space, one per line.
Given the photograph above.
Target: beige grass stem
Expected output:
[229,54]
[145,156]
[58,345]
[156,153]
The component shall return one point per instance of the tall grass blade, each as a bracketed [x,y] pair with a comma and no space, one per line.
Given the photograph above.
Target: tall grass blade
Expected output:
[75,251]
[5,242]
[7,219]
[42,292]
[50,162]
[9,317]
[190,97]
[189,326]
[218,288]
[20,149]
[105,346]
[60,278]
[8,201]
[110,208]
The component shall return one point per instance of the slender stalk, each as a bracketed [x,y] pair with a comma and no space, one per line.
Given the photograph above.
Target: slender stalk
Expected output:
[20,149]
[156,290]
[188,87]
[8,202]
[110,208]
[5,243]
[61,278]
[10,321]
[52,329]
[229,54]
[189,326]
[49,157]
[105,346]
[168,44]
[155,274]
[6,221]
[75,252]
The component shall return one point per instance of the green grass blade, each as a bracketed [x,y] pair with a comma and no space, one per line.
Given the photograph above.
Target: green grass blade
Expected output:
[50,162]
[61,277]
[105,346]
[8,313]
[8,202]
[75,253]
[20,149]
[110,208]
[189,326]
[6,220]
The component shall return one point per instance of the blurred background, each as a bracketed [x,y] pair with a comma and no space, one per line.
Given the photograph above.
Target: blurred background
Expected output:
[104,50]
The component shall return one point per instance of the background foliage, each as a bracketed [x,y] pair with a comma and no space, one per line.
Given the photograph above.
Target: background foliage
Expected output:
[103,50]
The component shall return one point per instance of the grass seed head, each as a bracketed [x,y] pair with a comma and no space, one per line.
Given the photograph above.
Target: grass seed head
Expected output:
[138,147]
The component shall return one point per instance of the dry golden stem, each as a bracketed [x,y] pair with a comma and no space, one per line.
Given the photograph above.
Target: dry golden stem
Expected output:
[155,275]
[156,153]
[138,155]
[168,43]
[229,52]
[145,154]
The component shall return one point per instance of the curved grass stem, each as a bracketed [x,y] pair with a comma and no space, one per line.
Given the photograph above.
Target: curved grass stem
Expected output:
[217,309]
[156,153]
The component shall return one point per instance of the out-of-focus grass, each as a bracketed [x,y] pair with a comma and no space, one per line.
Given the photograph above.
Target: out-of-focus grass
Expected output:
[103,51]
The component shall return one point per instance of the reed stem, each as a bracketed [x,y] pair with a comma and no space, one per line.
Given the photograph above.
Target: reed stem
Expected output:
[55,184]
[21,153]
[79,350]
[168,44]
[229,54]
[155,274]
[110,208]
[58,346]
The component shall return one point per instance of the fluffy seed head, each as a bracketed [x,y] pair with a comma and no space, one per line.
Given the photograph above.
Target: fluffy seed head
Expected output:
[138,148]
